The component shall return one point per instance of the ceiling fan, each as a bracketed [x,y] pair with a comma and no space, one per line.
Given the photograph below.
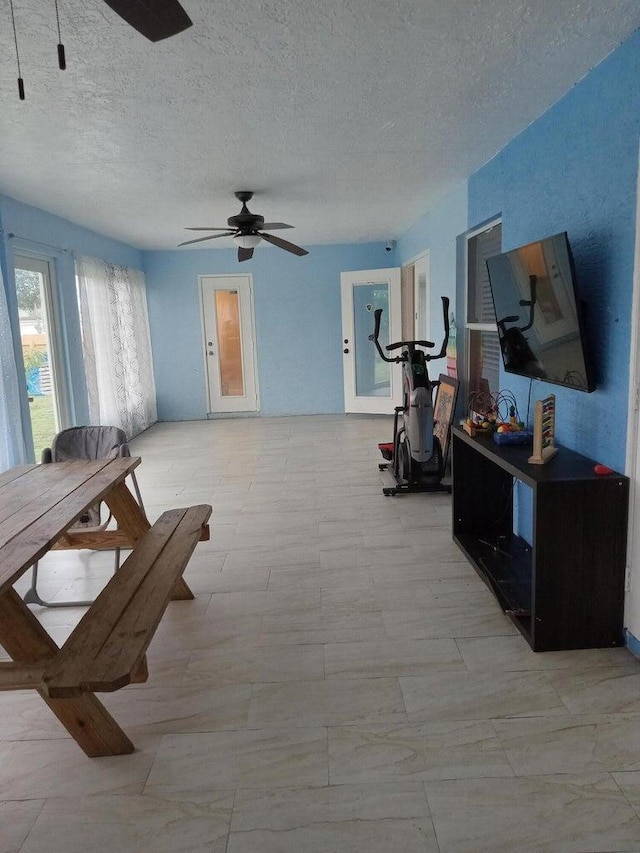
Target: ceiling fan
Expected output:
[247,230]
[154,19]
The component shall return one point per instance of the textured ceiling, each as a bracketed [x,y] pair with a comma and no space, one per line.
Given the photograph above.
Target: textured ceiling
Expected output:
[349,118]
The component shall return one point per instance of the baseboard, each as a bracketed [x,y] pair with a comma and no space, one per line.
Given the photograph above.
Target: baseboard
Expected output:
[632,643]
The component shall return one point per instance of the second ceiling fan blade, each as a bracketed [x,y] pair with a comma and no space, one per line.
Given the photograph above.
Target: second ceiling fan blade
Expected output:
[202,239]
[154,19]
[204,228]
[284,244]
[274,226]
[244,254]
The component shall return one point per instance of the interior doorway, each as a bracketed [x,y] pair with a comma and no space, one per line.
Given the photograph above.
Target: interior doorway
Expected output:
[41,350]
[416,297]
[229,350]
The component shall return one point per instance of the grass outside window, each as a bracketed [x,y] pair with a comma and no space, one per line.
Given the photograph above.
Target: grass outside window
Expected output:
[43,422]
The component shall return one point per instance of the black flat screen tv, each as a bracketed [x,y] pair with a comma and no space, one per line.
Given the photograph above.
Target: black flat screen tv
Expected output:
[538,314]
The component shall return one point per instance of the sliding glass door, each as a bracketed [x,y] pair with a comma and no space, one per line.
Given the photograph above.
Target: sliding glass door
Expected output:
[41,351]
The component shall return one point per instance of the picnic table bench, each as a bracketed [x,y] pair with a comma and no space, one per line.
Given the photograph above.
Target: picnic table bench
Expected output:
[106,650]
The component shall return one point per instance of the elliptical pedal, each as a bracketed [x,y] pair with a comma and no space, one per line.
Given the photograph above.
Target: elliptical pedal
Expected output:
[386,448]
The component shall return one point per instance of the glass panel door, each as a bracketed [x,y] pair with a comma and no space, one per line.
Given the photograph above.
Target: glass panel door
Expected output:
[227,310]
[371,385]
[373,375]
[43,373]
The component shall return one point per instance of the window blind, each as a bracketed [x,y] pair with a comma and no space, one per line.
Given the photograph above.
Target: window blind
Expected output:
[479,302]
[485,358]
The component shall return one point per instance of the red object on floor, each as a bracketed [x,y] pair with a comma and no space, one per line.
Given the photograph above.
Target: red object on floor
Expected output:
[386,448]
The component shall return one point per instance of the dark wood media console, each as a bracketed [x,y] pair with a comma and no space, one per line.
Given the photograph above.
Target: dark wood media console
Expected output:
[566,589]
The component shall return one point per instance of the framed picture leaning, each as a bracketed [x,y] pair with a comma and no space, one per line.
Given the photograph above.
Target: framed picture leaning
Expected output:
[444,409]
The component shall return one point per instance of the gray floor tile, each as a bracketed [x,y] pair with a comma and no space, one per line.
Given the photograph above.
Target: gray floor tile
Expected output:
[468,696]
[131,825]
[342,681]
[448,750]
[544,814]
[194,766]
[575,744]
[326,703]
[360,819]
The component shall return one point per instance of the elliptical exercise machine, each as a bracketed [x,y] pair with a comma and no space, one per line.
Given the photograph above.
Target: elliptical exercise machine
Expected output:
[415,457]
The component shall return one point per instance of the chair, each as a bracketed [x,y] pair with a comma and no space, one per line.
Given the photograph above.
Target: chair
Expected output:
[85,442]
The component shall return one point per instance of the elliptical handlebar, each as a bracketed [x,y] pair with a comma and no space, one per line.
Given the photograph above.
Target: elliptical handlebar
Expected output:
[374,337]
[443,349]
[427,344]
[445,340]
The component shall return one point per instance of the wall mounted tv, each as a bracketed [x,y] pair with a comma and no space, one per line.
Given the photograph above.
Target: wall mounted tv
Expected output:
[538,314]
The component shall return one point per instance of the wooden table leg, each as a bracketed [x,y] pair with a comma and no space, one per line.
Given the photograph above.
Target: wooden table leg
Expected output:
[85,718]
[181,591]
[141,674]
[126,511]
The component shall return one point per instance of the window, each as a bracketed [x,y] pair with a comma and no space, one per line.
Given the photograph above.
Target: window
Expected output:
[41,349]
[483,346]
[117,345]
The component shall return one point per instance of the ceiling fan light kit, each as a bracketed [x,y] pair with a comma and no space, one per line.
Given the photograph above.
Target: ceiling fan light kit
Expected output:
[247,230]
[247,241]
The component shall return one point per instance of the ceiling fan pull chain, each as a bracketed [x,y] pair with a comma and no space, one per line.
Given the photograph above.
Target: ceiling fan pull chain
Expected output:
[15,39]
[62,59]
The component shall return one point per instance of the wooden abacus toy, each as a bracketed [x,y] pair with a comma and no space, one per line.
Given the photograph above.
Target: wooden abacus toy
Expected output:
[544,428]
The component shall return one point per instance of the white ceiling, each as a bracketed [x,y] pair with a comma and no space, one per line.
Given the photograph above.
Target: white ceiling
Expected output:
[349,118]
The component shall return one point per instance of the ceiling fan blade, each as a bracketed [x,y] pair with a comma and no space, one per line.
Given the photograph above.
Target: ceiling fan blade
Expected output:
[203,228]
[154,19]
[273,226]
[284,244]
[244,254]
[202,239]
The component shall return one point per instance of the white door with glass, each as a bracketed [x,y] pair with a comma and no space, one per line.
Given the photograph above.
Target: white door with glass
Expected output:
[41,349]
[227,311]
[371,385]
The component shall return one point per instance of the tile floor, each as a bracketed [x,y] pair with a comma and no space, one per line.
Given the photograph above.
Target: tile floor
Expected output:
[342,682]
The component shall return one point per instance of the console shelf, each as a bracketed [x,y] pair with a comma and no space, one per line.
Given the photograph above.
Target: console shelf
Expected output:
[566,589]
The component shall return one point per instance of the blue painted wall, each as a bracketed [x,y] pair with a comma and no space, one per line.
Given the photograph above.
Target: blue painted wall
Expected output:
[297,317]
[45,235]
[575,170]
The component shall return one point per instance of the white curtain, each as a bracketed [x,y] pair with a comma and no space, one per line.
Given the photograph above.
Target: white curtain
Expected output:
[12,449]
[117,345]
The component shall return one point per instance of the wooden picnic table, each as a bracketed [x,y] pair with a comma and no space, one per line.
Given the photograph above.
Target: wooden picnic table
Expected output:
[38,505]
